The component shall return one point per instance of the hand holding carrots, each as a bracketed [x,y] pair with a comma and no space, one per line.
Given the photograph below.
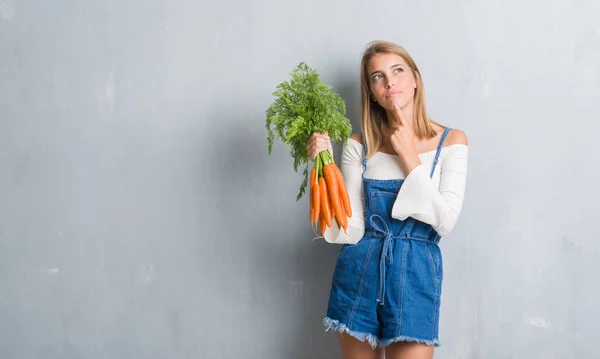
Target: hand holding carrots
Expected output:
[329,198]
[317,143]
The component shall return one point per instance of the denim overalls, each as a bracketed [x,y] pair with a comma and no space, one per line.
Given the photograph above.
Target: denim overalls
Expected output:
[387,287]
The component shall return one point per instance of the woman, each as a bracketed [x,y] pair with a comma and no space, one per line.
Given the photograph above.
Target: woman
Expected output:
[406,179]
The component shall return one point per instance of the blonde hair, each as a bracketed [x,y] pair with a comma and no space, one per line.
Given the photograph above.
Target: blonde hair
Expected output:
[373,114]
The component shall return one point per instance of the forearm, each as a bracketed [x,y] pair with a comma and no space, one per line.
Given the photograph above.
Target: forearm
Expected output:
[411,161]
[425,201]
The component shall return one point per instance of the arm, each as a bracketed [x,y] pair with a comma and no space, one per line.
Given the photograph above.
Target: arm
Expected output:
[419,198]
[352,169]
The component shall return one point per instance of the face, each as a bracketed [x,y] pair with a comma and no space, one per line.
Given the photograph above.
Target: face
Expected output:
[391,80]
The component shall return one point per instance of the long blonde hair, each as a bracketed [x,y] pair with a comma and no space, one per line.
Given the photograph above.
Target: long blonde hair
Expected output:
[373,115]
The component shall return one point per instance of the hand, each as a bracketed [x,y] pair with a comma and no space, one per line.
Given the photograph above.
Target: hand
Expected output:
[317,143]
[403,139]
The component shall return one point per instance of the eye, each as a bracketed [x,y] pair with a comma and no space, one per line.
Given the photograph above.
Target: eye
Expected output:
[399,70]
[376,77]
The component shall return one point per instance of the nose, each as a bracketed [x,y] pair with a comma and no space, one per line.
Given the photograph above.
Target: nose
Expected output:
[389,84]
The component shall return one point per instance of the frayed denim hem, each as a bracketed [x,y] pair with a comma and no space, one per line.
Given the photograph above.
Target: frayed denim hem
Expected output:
[372,339]
[342,328]
[403,338]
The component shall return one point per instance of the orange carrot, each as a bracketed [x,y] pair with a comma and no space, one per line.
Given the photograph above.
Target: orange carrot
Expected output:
[316,202]
[343,192]
[344,217]
[311,209]
[311,196]
[325,207]
[330,218]
[333,192]
[322,223]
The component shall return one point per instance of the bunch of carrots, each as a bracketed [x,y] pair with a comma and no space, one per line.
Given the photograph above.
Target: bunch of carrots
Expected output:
[329,200]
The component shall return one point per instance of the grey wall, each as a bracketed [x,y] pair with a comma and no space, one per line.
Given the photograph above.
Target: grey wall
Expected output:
[141,217]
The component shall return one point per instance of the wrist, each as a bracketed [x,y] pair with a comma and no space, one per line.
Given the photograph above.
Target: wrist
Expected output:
[411,161]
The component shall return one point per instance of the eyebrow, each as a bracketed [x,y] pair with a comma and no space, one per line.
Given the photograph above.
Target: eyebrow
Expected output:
[391,67]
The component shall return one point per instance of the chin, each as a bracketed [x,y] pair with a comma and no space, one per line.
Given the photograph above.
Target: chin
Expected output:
[390,104]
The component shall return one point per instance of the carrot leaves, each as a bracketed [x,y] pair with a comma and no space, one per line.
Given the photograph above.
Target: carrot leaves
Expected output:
[303,105]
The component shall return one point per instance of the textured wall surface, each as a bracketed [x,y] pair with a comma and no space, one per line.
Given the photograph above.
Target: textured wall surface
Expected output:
[141,217]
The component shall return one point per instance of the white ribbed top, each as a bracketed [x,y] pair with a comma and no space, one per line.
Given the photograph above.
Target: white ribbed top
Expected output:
[437,200]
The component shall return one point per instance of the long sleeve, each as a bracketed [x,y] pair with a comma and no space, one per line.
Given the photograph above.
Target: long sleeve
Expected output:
[440,207]
[352,170]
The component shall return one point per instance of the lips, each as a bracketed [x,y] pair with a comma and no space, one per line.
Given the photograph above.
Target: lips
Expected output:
[390,94]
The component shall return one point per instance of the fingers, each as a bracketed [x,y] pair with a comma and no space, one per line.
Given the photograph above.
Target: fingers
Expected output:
[316,140]
[399,114]
[317,143]
[313,151]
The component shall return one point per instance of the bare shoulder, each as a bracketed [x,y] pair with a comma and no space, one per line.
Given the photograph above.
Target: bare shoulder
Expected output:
[457,137]
[356,137]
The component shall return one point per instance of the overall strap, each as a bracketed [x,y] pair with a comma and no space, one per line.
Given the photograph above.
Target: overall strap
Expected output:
[439,149]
